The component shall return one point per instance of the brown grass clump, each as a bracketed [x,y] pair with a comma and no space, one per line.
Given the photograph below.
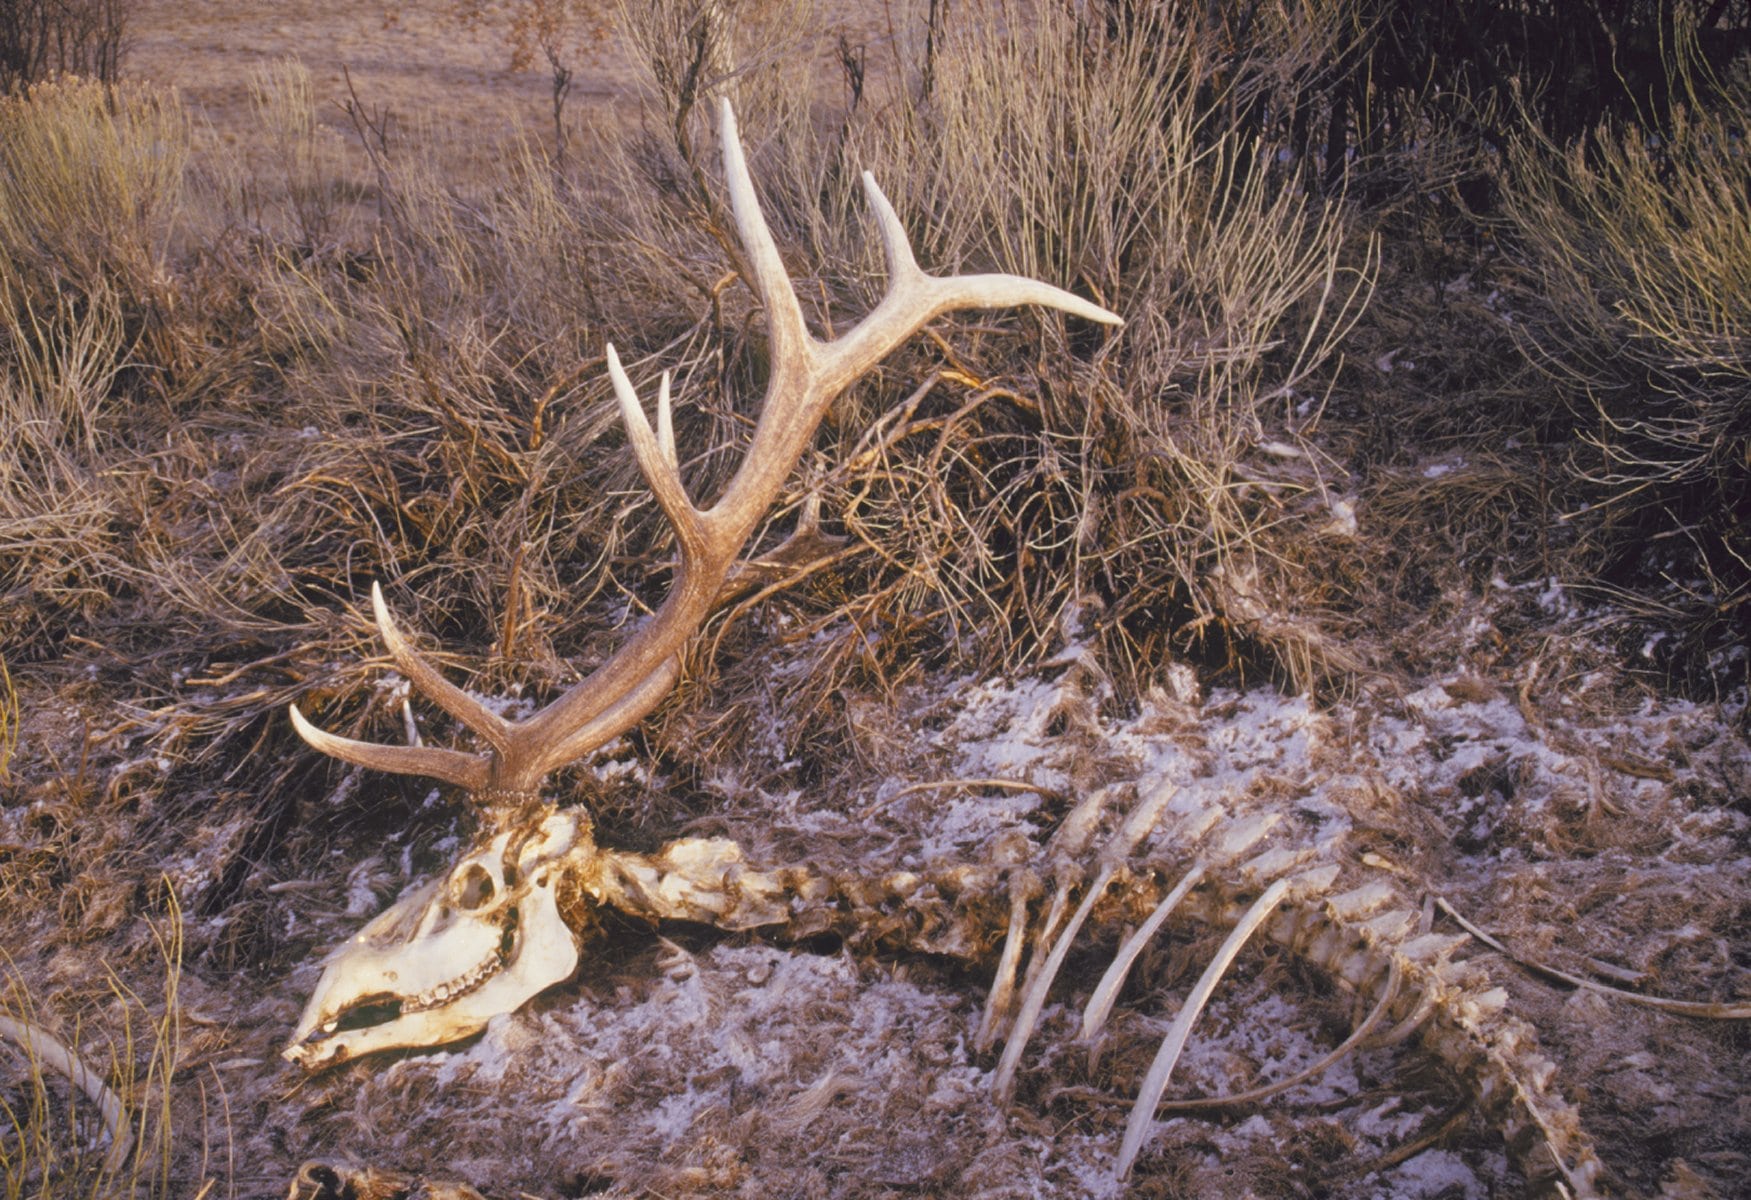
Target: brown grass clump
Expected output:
[57,545]
[91,193]
[91,185]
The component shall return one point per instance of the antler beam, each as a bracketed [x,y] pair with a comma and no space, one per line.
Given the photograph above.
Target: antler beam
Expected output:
[807,374]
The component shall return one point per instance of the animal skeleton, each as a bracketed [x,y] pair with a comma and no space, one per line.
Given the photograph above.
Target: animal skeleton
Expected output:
[508,919]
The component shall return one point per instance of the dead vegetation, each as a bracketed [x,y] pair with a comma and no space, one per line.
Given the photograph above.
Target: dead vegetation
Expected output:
[1651,348]
[1350,441]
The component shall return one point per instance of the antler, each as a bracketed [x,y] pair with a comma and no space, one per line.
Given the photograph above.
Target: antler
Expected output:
[806,375]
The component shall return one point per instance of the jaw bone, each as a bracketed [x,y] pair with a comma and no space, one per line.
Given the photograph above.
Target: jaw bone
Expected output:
[446,958]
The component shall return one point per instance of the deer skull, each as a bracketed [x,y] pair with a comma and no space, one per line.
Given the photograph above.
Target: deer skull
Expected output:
[450,955]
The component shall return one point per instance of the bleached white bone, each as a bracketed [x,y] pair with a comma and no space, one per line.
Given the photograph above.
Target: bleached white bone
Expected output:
[1106,993]
[1003,983]
[1243,833]
[1155,1082]
[1039,983]
[1136,827]
[48,1050]
[1065,852]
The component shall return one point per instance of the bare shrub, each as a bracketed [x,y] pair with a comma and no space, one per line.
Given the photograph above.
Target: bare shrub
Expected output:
[555,30]
[1354,86]
[1636,242]
[426,386]
[304,153]
[91,191]
[42,39]
[1145,494]
[422,401]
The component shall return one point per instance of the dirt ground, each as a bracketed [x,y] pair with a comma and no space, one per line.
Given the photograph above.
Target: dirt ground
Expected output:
[408,58]
[1599,825]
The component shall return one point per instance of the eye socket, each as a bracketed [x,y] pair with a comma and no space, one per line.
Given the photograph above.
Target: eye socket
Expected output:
[474,887]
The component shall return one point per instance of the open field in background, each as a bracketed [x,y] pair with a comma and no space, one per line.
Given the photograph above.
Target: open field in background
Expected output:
[454,84]
[1409,498]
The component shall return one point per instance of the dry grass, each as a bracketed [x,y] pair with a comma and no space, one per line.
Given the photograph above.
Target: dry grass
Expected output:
[1134,493]
[92,192]
[240,389]
[8,720]
[71,1128]
[89,198]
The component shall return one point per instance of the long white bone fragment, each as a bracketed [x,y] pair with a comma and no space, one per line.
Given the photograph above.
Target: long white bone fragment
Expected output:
[1155,1083]
[1687,1008]
[1003,986]
[45,1049]
[1106,992]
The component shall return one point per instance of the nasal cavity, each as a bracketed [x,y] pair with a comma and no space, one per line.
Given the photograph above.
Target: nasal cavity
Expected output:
[475,887]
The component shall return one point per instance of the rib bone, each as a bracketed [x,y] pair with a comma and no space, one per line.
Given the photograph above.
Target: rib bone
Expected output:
[1106,992]
[1138,824]
[1155,1083]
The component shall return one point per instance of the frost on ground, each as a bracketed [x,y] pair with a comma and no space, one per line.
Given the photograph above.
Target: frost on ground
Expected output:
[1607,837]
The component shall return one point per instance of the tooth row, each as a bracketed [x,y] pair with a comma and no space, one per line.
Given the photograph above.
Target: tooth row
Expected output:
[456,988]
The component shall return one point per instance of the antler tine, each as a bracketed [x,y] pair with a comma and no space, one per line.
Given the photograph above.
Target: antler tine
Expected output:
[784,317]
[915,297]
[469,771]
[432,685]
[666,427]
[657,458]
[903,268]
